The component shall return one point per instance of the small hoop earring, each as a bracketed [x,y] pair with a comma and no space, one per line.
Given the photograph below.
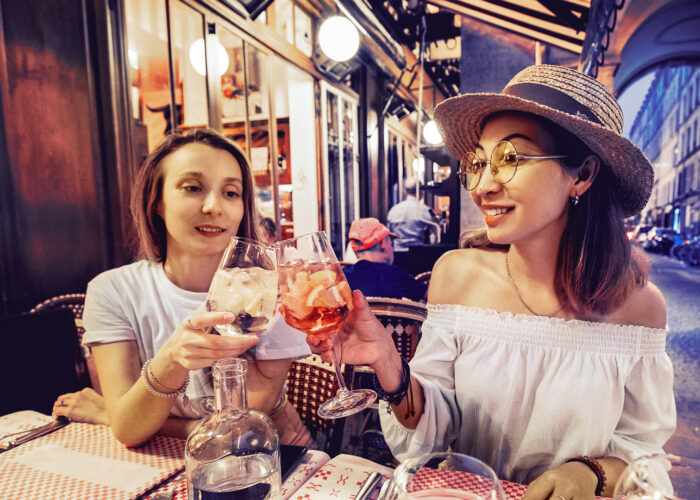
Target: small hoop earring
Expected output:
[574,200]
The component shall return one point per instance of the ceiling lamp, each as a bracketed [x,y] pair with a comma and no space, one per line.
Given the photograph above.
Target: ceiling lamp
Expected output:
[198,56]
[338,38]
[431,134]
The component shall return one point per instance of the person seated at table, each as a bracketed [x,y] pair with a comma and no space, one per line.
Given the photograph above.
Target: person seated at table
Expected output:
[374,272]
[543,352]
[268,230]
[145,322]
[410,218]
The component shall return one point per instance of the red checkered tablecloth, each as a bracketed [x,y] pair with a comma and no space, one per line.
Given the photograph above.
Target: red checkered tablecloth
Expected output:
[23,476]
[433,478]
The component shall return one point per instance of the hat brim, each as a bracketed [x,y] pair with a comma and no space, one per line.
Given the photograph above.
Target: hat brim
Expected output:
[460,121]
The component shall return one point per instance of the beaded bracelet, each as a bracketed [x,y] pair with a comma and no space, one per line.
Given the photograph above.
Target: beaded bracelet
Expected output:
[146,370]
[397,396]
[597,469]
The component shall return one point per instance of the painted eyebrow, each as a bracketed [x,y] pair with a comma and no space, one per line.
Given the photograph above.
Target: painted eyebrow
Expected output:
[199,175]
[507,138]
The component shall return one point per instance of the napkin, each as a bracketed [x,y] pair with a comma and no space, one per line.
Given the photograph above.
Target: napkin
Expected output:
[86,461]
[341,478]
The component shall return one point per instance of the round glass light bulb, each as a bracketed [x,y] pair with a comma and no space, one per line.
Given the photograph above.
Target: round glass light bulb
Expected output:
[198,57]
[338,38]
[431,134]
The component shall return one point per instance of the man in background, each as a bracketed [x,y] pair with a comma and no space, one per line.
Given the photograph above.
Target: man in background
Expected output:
[409,219]
[374,272]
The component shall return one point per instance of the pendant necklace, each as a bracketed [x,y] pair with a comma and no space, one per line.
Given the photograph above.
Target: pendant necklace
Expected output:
[520,297]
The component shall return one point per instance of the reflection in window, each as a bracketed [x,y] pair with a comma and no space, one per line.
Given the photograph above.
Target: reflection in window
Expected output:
[189,65]
[232,96]
[302,31]
[149,79]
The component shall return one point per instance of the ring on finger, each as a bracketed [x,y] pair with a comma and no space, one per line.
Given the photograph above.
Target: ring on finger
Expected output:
[190,325]
[554,495]
[61,402]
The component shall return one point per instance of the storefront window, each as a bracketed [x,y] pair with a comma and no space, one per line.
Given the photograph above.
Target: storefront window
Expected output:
[293,23]
[189,65]
[232,98]
[149,77]
[296,149]
[302,31]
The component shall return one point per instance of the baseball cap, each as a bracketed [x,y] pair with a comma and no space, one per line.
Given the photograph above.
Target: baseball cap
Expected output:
[367,232]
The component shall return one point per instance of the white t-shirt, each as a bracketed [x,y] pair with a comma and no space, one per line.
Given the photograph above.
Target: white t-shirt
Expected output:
[138,302]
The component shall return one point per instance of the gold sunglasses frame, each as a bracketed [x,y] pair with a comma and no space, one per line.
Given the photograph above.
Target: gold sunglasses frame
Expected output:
[462,174]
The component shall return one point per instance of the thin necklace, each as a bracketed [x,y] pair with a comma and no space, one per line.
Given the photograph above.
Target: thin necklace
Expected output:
[520,297]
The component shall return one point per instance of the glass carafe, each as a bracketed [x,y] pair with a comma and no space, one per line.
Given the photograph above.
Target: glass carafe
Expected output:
[234,452]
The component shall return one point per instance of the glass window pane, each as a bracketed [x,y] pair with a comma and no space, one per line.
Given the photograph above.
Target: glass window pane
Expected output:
[232,96]
[296,149]
[335,231]
[302,31]
[189,66]
[349,162]
[258,82]
[149,77]
[283,20]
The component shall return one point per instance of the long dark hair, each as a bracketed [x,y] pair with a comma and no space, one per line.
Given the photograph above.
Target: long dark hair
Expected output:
[148,188]
[596,266]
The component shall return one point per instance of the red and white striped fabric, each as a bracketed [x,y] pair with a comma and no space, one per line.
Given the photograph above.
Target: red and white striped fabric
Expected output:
[86,461]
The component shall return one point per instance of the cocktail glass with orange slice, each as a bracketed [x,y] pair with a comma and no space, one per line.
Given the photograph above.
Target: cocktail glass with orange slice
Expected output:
[316,299]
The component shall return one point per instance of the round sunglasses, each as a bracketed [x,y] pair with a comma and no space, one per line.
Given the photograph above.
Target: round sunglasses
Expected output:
[504,164]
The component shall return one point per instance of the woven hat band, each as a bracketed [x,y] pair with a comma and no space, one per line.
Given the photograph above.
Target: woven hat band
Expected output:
[552,98]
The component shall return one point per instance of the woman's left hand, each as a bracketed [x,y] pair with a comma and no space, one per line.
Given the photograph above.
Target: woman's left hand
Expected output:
[82,406]
[572,481]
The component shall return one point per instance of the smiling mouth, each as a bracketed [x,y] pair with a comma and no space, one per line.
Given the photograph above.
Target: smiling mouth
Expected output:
[210,230]
[492,212]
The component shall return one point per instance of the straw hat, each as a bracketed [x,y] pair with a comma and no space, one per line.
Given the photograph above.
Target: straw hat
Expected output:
[574,101]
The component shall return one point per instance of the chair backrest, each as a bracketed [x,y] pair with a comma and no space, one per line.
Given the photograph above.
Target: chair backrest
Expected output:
[310,383]
[40,359]
[75,303]
[424,277]
[403,319]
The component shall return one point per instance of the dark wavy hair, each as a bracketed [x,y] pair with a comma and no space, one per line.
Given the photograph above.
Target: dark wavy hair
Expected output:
[150,233]
[597,268]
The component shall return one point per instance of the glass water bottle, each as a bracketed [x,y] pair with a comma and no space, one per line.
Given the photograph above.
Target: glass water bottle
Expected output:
[233,453]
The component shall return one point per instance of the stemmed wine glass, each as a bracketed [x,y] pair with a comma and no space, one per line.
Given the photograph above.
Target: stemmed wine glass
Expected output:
[443,475]
[650,478]
[245,284]
[315,299]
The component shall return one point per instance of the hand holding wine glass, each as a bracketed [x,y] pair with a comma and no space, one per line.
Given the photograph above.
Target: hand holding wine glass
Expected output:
[245,284]
[316,299]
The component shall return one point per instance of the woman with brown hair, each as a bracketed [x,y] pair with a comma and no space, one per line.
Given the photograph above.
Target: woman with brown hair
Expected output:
[543,352]
[145,322]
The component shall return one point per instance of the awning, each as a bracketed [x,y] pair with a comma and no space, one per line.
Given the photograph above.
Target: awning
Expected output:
[561,23]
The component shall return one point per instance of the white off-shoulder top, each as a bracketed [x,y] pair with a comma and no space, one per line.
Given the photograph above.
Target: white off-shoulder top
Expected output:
[525,393]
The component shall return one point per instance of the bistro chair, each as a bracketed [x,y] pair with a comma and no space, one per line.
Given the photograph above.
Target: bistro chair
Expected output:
[75,303]
[40,359]
[402,318]
[424,277]
[310,383]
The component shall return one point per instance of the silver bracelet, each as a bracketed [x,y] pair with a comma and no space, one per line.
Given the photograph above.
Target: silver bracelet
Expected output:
[144,375]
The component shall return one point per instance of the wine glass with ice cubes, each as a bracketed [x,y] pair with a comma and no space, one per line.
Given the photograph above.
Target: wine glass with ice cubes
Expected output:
[315,299]
[245,284]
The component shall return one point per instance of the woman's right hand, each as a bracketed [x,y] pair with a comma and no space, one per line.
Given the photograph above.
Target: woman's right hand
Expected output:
[193,348]
[364,339]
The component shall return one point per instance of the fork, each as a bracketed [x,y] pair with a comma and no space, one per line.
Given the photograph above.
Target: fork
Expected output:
[170,492]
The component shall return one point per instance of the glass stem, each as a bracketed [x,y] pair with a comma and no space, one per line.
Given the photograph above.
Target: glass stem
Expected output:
[337,350]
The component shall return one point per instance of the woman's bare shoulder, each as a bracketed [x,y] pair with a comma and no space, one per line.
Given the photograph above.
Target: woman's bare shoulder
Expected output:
[645,306]
[458,268]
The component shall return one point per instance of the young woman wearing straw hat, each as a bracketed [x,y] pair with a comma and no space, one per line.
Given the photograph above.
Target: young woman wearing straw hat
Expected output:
[543,353]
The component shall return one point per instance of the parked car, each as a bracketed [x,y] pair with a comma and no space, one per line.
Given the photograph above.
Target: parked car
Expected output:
[661,239]
[639,234]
